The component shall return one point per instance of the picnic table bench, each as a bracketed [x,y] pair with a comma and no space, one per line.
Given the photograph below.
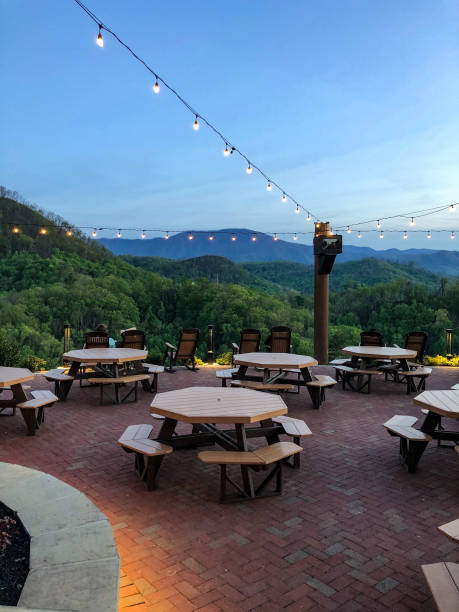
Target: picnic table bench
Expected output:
[443,582]
[119,382]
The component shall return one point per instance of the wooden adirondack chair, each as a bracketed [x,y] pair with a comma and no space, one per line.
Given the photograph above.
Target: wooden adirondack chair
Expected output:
[185,351]
[249,342]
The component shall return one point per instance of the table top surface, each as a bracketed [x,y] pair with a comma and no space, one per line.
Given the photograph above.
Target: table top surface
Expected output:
[451,530]
[14,376]
[218,405]
[445,403]
[106,355]
[379,352]
[275,360]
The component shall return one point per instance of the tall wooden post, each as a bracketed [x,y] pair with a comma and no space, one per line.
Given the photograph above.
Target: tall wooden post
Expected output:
[326,247]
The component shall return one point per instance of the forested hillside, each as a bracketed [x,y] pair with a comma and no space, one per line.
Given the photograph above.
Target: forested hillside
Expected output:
[50,280]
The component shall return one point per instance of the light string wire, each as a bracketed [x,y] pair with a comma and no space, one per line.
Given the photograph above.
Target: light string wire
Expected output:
[408,215]
[227,141]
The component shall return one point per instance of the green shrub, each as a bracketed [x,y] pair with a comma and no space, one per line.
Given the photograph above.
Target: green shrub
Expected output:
[10,353]
[439,360]
[34,363]
[225,358]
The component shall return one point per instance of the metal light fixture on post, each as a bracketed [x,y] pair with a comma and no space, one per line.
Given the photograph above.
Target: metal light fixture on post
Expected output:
[210,345]
[449,344]
[66,338]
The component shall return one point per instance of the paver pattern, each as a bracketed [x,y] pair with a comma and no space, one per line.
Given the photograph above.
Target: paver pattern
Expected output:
[349,533]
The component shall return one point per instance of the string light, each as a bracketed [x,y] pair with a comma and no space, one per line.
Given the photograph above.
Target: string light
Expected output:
[100,40]
[190,236]
[295,237]
[196,124]
[378,225]
[43,231]
[412,221]
[94,233]
[429,235]
[156,87]
[359,235]
[308,218]
[254,237]
[211,237]
[226,152]
[15,230]
[268,187]
[249,169]
[69,232]
[275,238]
[452,236]
[452,208]
[143,234]
[349,230]
[284,197]
[233,237]
[405,236]
[118,235]
[297,210]
[381,235]
[166,237]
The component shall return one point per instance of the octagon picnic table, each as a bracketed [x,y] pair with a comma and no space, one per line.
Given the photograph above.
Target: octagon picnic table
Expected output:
[205,407]
[12,379]
[104,363]
[283,363]
[439,404]
[370,353]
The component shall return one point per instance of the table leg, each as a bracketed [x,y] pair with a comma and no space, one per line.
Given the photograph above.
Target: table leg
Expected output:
[245,471]
[315,397]
[66,385]
[18,396]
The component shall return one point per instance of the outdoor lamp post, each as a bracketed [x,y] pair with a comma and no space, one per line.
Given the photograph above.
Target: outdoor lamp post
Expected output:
[210,345]
[449,344]
[66,338]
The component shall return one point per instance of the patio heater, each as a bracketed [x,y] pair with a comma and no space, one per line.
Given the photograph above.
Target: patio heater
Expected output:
[449,344]
[210,345]
[326,247]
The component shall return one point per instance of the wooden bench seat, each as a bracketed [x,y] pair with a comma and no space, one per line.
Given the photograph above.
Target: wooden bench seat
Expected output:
[33,410]
[412,441]
[259,386]
[421,372]
[118,383]
[443,582]
[272,454]
[316,388]
[57,377]
[225,375]
[154,370]
[296,429]
[148,453]
[451,529]
[347,375]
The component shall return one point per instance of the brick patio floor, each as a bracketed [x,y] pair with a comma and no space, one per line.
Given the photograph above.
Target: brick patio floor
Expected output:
[349,533]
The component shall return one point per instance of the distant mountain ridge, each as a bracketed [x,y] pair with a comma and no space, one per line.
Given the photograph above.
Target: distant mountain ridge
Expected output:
[265,249]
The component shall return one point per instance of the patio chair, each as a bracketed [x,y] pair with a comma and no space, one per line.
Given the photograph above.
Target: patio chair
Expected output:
[185,351]
[133,339]
[371,338]
[249,343]
[278,340]
[414,341]
[96,340]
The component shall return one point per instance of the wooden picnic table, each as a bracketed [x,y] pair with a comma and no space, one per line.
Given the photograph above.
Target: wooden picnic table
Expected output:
[12,379]
[370,353]
[104,363]
[205,407]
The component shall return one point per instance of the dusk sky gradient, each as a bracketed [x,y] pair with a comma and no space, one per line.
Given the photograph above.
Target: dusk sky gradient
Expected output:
[352,106]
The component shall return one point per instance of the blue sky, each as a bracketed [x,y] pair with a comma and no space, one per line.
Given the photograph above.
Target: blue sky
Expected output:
[352,106]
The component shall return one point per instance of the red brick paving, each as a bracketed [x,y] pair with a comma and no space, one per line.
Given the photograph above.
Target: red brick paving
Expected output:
[349,533]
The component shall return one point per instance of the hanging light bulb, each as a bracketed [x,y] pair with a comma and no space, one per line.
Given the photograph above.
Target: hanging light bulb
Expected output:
[452,236]
[233,237]
[297,210]
[226,152]
[211,237]
[118,235]
[381,235]
[196,124]
[359,235]
[166,237]
[249,169]
[94,233]
[452,208]
[405,236]
[308,218]
[284,197]
[143,234]
[268,187]
[15,230]
[378,225]
[156,87]
[429,235]
[295,237]
[100,40]
[190,236]
[412,221]
[349,231]
[254,237]
[69,233]
[275,238]
[43,231]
